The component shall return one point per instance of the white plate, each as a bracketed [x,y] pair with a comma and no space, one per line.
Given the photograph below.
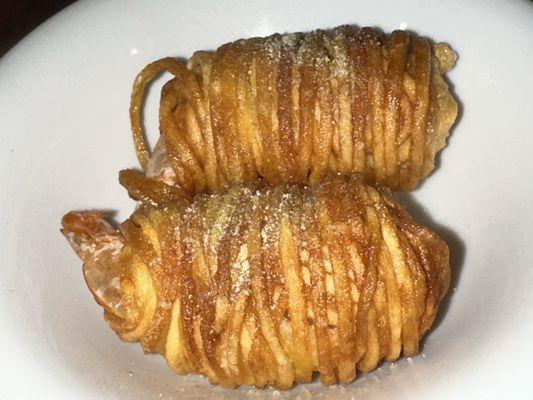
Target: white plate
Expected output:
[64,93]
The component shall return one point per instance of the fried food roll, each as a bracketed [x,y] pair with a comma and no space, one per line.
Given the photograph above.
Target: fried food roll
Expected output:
[294,108]
[265,285]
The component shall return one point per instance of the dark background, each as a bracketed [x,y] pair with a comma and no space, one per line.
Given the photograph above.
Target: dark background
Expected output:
[19,17]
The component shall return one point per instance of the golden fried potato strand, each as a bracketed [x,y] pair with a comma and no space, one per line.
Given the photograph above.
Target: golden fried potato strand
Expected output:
[295,108]
[266,285]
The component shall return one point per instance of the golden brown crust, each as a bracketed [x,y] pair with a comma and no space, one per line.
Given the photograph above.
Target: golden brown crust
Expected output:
[264,286]
[297,107]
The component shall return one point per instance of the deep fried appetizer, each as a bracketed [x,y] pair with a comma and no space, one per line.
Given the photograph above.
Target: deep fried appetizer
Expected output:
[265,285]
[294,108]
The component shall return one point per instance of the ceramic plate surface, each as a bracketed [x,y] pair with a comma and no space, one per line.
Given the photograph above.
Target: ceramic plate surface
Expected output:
[64,95]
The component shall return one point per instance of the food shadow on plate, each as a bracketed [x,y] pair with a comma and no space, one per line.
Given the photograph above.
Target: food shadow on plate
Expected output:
[454,242]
